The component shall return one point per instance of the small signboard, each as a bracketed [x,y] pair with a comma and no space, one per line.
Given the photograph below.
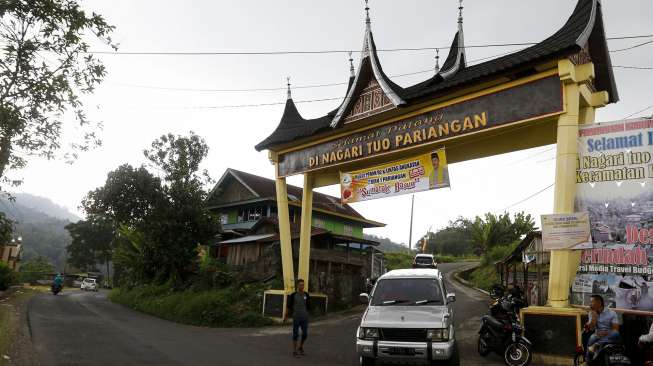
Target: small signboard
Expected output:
[566,231]
[420,173]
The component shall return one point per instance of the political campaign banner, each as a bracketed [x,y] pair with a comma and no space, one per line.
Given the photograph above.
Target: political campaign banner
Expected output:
[566,231]
[420,173]
[614,184]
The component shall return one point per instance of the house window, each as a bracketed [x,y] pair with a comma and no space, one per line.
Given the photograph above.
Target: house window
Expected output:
[224,219]
[321,223]
[250,214]
[348,230]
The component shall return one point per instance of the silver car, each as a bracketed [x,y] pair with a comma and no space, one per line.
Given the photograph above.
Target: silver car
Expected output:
[409,319]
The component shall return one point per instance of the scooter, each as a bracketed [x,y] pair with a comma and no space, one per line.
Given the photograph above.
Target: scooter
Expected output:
[501,331]
[56,289]
[607,354]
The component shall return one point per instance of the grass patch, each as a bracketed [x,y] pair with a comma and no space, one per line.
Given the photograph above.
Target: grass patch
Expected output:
[445,258]
[8,320]
[484,277]
[227,307]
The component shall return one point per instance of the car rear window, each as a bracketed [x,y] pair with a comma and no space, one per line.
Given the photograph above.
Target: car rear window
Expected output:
[406,291]
[423,260]
[91,280]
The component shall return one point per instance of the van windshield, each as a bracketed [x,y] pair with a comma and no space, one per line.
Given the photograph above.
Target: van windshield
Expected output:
[423,260]
[407,291]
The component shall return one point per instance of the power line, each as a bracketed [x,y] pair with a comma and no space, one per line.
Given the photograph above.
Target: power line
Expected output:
[632,47]
[313,86]
[309,86]
[529,197]
[312,52]
[640,111]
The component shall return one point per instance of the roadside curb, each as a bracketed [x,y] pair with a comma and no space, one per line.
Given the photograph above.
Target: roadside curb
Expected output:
[464,282]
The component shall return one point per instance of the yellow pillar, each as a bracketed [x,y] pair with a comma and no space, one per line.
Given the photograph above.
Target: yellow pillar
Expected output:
[284,236]
[305,230]
[564,263]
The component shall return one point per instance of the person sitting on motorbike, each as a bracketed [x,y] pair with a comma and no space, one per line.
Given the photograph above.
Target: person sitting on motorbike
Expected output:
[646,339]
[58,280]
[603,322]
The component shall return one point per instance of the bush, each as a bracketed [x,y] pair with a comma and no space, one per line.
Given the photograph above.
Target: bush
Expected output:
[484,277]
[227,307]
[7,277]
[398,260]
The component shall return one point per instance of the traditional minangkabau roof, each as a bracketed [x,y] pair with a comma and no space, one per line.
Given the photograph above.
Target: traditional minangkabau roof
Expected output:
[264,189]
[583,32]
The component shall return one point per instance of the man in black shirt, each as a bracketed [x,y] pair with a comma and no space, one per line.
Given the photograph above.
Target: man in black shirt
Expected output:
[299,303]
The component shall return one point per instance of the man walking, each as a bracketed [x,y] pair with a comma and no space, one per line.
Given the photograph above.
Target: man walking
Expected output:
[299,303]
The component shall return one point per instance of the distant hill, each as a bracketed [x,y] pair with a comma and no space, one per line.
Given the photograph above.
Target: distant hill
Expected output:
[386,244]
[45,206]
[41,224]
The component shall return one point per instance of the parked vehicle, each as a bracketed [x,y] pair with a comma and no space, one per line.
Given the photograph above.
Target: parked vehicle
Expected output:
[409,319]
[425,261]
[89,284]
[607,354]
[501,331]
[56,288]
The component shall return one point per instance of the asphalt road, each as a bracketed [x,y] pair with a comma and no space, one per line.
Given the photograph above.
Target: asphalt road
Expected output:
[79,328]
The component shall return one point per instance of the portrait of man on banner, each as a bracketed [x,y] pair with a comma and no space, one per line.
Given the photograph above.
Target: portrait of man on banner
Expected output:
[440,174]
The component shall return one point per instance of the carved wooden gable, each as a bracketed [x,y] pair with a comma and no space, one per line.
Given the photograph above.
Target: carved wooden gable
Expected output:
[372,100]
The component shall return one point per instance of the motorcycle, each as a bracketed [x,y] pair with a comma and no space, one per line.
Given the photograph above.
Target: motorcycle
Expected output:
[56,289]
[607,354]
[501,331]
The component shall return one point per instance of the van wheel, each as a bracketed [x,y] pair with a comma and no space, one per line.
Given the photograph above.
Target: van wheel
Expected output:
[367,361]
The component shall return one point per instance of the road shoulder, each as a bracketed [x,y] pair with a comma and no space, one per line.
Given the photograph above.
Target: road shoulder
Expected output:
[15,336]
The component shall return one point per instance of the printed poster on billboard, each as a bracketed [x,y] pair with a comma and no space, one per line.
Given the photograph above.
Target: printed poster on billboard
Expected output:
[614,184]
[420,173]
[565,231]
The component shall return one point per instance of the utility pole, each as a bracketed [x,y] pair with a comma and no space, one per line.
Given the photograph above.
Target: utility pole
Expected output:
[410,233]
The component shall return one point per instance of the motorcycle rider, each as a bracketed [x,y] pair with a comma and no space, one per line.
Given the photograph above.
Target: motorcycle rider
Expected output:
[603,322]
[58,281]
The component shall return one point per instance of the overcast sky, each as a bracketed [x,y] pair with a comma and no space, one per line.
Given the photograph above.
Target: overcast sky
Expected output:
[133,116]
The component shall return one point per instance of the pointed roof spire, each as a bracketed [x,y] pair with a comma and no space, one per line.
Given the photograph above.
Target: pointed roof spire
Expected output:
[288,83]
[456,60]
[368,22]
[352,71]
[437,60]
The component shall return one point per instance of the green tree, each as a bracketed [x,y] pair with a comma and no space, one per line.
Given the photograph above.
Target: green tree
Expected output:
[91,242]
[34,270]
[162,221]
[6,228]
[44,68]
[454,239]
[128,197]
[498,230]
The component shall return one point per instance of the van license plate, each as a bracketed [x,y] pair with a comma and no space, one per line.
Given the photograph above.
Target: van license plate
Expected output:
[621,359]
[401,351]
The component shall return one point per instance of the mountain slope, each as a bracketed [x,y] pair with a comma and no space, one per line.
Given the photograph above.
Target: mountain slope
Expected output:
[41,225]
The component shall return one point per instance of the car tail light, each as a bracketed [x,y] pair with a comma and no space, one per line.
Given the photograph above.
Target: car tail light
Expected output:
[579,350]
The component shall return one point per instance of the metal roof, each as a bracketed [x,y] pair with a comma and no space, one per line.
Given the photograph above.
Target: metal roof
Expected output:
[247,239]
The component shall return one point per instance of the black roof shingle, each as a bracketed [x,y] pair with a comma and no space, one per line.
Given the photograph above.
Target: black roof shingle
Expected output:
[583,29]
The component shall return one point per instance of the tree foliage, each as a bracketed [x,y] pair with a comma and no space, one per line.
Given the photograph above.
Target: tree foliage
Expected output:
[455,239]
[6,228]
[44,69]
[498,230]
[34,269]
[91,242]
[161,221]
